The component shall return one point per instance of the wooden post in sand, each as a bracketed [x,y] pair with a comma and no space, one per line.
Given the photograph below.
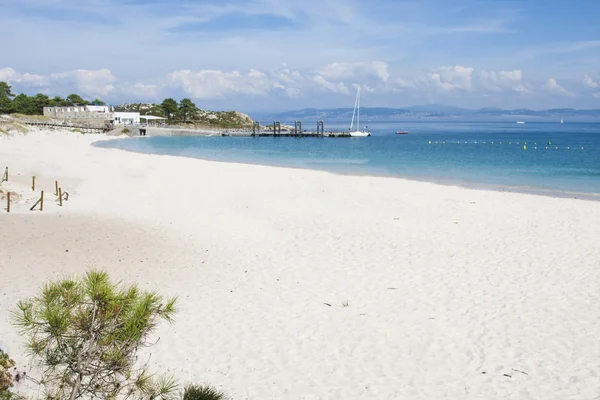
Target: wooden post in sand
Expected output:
[60,197]
[33,183]
[8,202]
[40,202]
[56,186]
[5,176]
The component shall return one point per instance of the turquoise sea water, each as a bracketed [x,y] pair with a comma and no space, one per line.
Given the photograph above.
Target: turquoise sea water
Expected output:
[483,154]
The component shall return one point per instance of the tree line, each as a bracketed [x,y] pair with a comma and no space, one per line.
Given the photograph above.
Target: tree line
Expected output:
[11,103]
[183,110]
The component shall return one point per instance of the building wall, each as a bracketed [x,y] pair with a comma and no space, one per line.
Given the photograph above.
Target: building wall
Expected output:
[127,118]
[80,115]
[77,112]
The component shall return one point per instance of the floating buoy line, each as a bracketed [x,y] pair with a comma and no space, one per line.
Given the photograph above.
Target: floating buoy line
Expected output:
[545,146]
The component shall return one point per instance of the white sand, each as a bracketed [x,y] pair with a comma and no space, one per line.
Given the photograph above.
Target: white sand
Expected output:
[448,288]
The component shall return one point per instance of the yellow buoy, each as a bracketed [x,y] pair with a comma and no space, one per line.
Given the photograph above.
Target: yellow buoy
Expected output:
[524,147]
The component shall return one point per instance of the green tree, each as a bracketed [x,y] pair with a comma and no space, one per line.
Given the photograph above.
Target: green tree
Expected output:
[58,102]
[169,107]
[98,102]
[187,108]
[85,333]
[23,104]
[6,96]
[39,102]
[76,100]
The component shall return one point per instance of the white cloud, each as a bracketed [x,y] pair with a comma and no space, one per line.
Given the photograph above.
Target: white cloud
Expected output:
[553,87]
[93,83]
[335,87]
[504,80]
[349,70]
[141,91]
[444,79]
[9,75]
[208,84]
[459,77]
[402,83]
[589,82]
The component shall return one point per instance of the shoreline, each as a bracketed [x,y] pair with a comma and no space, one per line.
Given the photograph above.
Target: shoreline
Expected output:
[365,287]
[527,190]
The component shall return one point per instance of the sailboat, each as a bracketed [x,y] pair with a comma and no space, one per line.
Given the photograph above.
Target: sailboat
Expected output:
[356,111]
[562,121]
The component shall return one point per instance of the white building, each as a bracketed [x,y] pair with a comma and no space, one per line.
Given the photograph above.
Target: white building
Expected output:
[80,112]
[127,118]
[99,109]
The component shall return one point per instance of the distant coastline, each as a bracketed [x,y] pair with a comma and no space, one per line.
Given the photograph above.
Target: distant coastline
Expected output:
[436,113]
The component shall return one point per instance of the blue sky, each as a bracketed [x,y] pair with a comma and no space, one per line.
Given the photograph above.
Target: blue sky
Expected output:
[258,55]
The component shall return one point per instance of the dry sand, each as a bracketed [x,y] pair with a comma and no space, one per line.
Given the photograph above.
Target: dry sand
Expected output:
[451,293]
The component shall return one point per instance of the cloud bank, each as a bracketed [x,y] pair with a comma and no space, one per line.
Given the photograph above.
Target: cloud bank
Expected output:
[381,82]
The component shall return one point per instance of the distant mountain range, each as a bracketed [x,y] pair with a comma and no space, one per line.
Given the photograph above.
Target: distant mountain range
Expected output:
[433,112]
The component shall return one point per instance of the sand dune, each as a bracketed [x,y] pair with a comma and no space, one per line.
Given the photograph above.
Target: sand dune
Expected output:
[451,293]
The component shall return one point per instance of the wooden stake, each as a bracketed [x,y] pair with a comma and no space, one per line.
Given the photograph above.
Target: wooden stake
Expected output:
[33,183]
[8,202]
[56,186]
[5,176]
[60,197]
[40,202]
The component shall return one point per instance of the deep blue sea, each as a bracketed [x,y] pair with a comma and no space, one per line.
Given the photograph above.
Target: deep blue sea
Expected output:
[534,157]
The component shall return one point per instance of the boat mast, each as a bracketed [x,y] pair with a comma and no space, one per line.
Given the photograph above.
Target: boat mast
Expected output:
[358,109]
[354,111]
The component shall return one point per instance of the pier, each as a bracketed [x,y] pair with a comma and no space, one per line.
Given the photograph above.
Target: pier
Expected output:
[277,131]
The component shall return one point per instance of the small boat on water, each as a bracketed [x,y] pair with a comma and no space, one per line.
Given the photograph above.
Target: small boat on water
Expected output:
[356,111]
[520,122]
[401,132]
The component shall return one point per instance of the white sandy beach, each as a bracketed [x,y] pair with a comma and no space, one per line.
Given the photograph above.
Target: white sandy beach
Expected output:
[452,293]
